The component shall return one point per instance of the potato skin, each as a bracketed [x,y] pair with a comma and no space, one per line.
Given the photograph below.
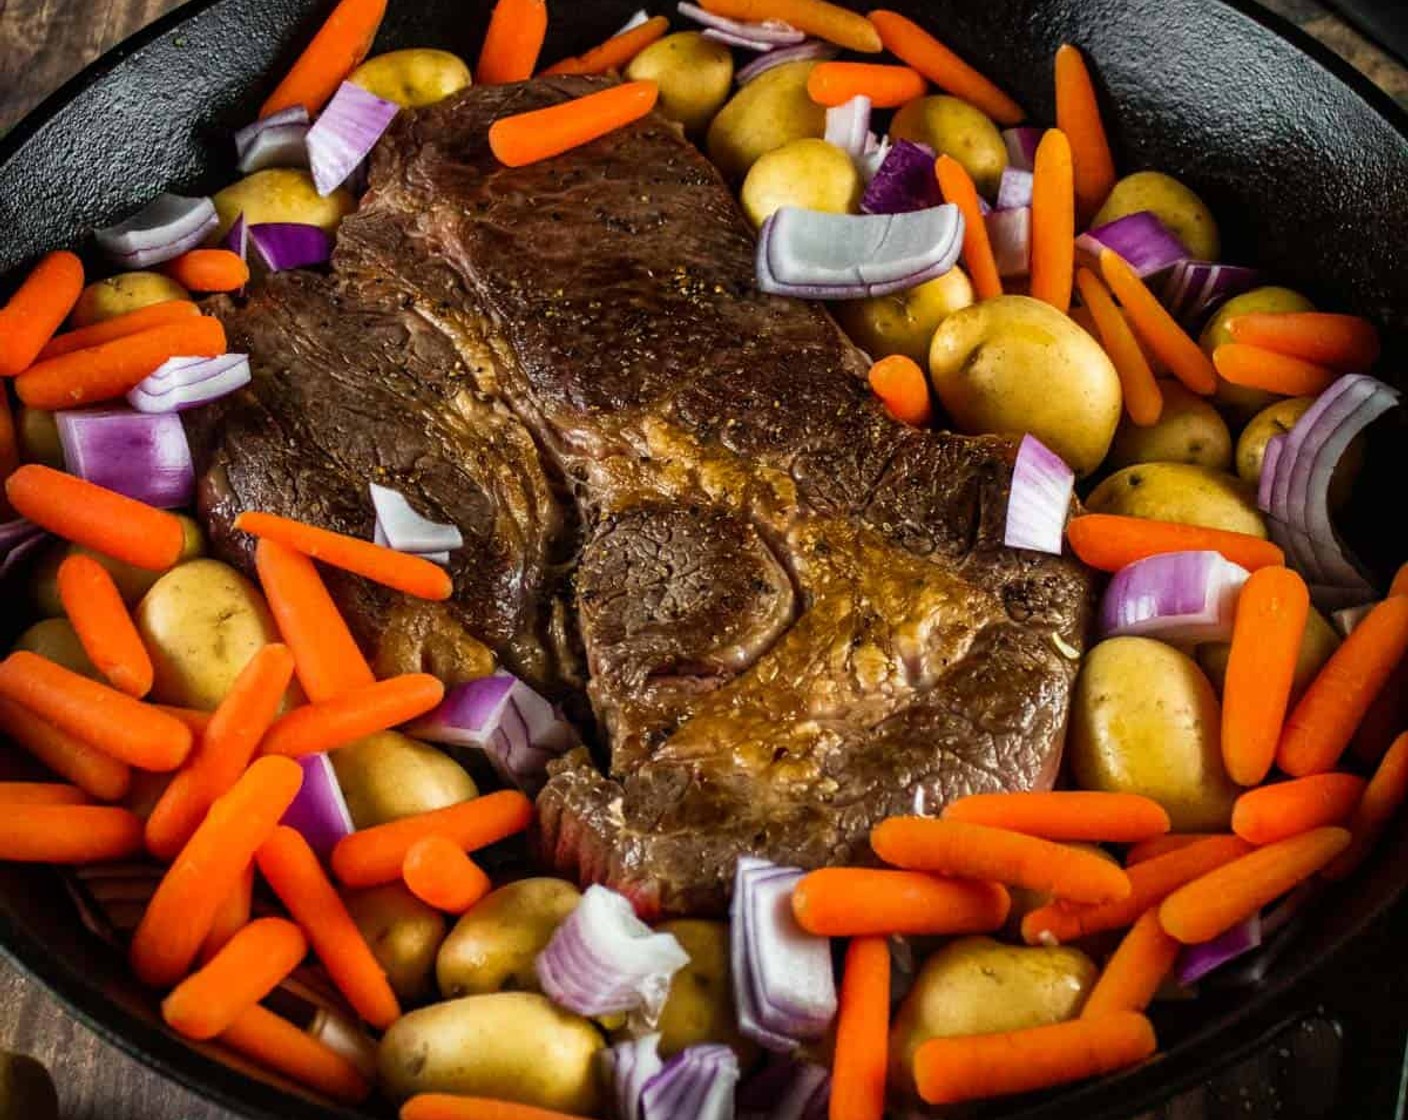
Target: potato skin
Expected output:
[404,935]
[1178,207]
[387,776]
[56,639]
[694,74]
[700,1007]
[1189,430]
[770,111]
[1180,492]
[494,945]
[117,295]
[1239,400]
[952,127]
[809,173]
[280,194]
[904,323]
[412,78]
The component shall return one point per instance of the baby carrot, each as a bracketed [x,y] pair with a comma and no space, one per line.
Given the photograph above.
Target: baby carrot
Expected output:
[103,624]
[856,902]
[950,1070]
[974,851]
[1270,813]
[1053,222]
[372,856]
[1266,640]
[99,775]
[888,87]
[1110,542]
[816,17]
[37,309]
[1400,582]
[1386,792]
[296,876]
[957,187]
[251,965]
[511,45]
[1118,818]
[1157,328]
[336,50]
[328,724]
[438,873]
[443,1106]
[1162,845]
[1323,721]
[96,517]
[901,384]
[41,793]
[120,326]
[209,270]
[110,369]
[68,833]
[1215,903]
[543,133]
[914,46]
[270,1041]
[231,916]
[208,868]
[1133,974]
[1255,368]
[1342,342]
[1078,116]
[614,54]
[381,565]
[862,1032]
[109,720]
[1143,399]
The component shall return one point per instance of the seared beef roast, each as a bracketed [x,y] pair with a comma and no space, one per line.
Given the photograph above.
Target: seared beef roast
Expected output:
[796,615]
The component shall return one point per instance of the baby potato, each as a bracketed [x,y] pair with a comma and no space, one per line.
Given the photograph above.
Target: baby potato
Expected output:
[694,74]
[26,1089]
[1013,364]
[117,295]
[132,582]
[952,127]
[700,1006]
[404,935]
[1319,641]
[387,776]
[495,943]
[770,111]
[1276,420]
[412,78]
[39,438]
[1189,430]
[904,323]
[1180,492]
[1239,400]
[56,639]
[1186,215]
[1145,720]
[281,194]
[511,1046]
[811,174]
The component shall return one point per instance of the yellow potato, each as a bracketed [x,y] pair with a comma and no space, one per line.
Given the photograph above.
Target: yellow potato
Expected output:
[387,776]
[694,74]
[117,295]
[904,323]
[56,639]
[511,1046]
[1180,492]
[952,127]
[412,78]
[1239,400]
[132,582]
[39,438]
[26,1089]
[700,1007]
[281,194]
[770,111]
[404,935]
[1144,719]
[1276,420]
[1319,641]
[1189,430]
[494,944]
[810,174]
[1013,365]
[1185,214]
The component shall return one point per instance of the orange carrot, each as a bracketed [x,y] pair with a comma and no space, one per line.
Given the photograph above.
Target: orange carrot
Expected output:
[543,133]
[856,902]
[1221,899]
[328,724]
[98,518]
[1270,813]
[1342,342]
[443,1106]
[110,369]
[1162,845]
[1053,222]
[104,627]
[1255,368]
[250,966]
[109,720]
[68,833]
[816,17]
[950,1070]
[834,83]
[193,718]
[270,1041]
[957,187]
[438,873]
[974,851]
[296,876]
[1143,399]
[1150,883]
[37,310]
[862,1032]
[1110,542]
[1400,582]
[901,384]
[41,793]
[231,916]
[512,44]
[209,270]
[224,751]
[1383,797]
[381,565]
[372,856]
[911,44]
[99,775]
[614,54]
[1078,116]
[120,326]
[1135,971]
[336,50]
[1157,328]
[1323,721]
[1266,640]
[1118,818]
[182,911]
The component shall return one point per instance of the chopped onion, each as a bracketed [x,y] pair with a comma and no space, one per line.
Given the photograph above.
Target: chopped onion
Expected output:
[904,182]
[1021,144]
[786,1089]
[18,538]
[408,531]
[17,553]
[1266,480]
[1010,235]
[379,537]
[812,49]
[848,126]
[280,246]
[696,1084]
[1015,190]
[1042,485]
[752,36]
[603,959]
[237,237]
[877,151]
[143,455]
[181,383]
[1347,618]
[628,1066]
[1196,961]
[1175,596]
[641,17]
[162,230]
[279,140]
[1195,289]
[345,133]
[319,811]
[1146,244]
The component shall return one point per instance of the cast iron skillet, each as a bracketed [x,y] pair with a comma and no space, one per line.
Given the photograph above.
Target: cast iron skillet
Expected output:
[1304,163]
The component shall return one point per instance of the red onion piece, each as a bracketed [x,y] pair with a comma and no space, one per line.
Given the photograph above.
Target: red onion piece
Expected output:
[1347,618]
[142,455]
[1042,485]
[752,36]
[1021,144]
[280,246]
[1010,235]
[15,553]
[319,811]
[181,383]
[162,230]
[408,531]
[848,126]
[236,238]
[786,1089]
[1015,190]
[1266,480]
[904,181]
[628,1066]
[1196,961]
[1195,289]
[279,140]
[817,49]
[345,133]
[1141,239]
[696,1084]
[1176,596]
